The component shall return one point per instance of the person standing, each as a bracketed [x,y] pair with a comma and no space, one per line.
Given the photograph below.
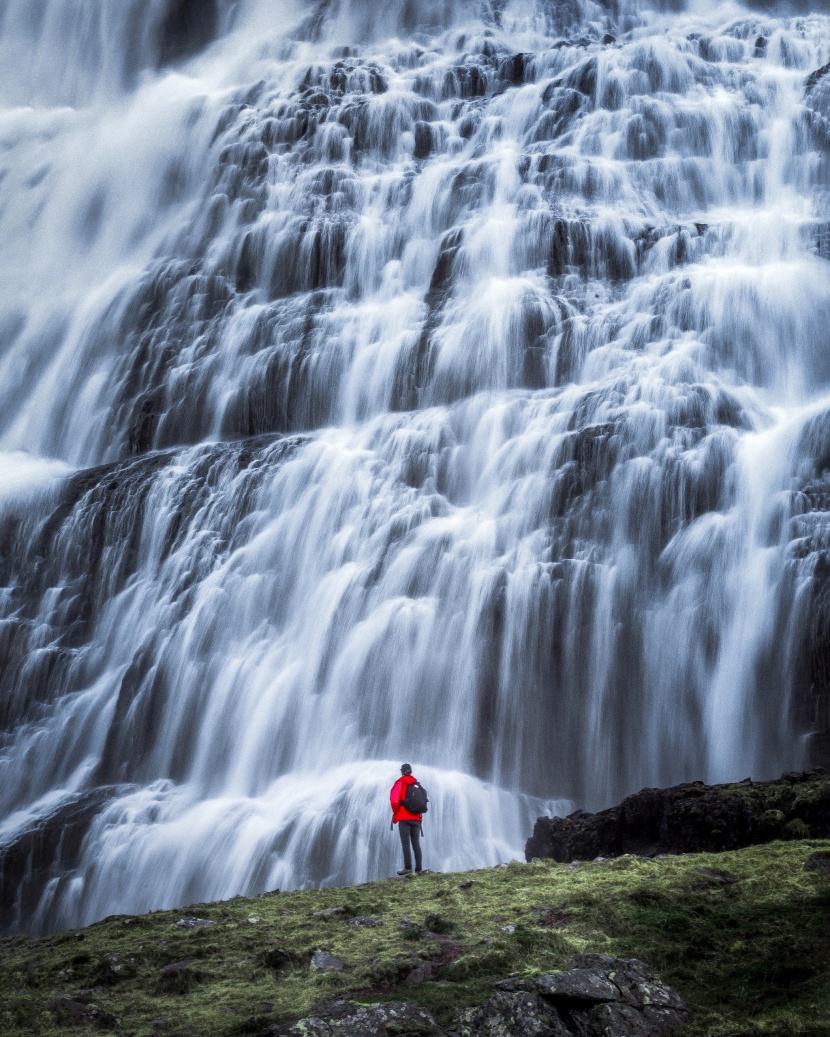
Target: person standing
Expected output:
[409,823]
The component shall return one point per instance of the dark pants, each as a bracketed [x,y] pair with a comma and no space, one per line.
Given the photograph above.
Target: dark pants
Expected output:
[410,833]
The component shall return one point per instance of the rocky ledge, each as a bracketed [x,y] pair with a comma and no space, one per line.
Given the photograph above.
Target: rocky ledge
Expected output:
[691,818]
[597,996]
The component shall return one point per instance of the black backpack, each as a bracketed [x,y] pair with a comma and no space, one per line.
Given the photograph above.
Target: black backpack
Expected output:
[416,799]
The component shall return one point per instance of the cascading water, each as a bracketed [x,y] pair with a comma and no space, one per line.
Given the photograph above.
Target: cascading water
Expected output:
[446,382]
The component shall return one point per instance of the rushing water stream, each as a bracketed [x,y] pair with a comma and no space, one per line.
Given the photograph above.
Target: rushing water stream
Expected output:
[445,381]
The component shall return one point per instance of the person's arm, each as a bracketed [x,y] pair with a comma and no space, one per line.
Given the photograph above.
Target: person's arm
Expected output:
[395,801]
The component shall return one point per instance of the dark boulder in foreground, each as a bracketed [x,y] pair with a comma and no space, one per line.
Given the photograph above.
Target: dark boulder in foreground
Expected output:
[691,818]
[348,1019]
[596,996]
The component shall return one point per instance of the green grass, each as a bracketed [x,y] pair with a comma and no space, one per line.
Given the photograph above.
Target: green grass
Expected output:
[748,949]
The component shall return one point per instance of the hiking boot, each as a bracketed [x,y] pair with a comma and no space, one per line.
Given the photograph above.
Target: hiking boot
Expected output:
[405,871]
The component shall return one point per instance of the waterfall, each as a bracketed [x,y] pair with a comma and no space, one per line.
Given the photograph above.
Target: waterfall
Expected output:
[443,381]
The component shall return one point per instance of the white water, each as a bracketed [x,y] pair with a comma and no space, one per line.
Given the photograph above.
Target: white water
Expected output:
[453,407]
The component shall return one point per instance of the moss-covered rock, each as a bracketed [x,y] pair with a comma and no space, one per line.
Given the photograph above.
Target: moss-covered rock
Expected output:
[691,818]
[596,996]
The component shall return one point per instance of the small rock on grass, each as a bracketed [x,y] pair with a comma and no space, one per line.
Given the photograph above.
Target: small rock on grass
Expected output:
[421,974]
[819,861]
[322,960]
[176,969]
[191,922]
[345,1019]
[364,921]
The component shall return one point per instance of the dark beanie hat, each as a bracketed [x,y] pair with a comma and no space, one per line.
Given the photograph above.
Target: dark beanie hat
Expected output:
[405,768]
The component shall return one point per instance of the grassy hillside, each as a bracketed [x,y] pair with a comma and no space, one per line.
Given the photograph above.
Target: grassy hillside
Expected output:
[743,936]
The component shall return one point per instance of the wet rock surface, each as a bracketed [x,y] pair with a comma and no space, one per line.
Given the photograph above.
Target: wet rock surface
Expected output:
[691,818]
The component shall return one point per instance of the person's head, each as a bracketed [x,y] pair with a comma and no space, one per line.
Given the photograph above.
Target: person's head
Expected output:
[405,769]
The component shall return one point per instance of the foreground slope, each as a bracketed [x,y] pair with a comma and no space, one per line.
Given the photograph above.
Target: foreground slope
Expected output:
[740,935]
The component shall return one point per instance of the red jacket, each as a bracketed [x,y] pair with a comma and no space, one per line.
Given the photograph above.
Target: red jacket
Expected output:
[396,796]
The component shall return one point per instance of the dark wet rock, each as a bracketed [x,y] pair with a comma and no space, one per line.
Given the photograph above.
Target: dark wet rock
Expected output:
[323,960]
[345,1019]
[423,140]
[186,27]
[50,848]
[819,74]
[691,818]
[350,75]
[105,508]
[513,70]
[809,548]
[817,99]
[598,996]
[364,921]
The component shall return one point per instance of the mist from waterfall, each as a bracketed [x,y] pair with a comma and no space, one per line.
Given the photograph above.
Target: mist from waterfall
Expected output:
[445,382]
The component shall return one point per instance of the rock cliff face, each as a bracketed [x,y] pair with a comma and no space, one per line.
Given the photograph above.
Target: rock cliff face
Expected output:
[691,818]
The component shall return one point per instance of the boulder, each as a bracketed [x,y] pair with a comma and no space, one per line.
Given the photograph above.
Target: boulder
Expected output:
[364,921]
[518,1013]
[691,818]
[194,923]
[323,960]
[577,985]
[346,1019]
[597,996]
